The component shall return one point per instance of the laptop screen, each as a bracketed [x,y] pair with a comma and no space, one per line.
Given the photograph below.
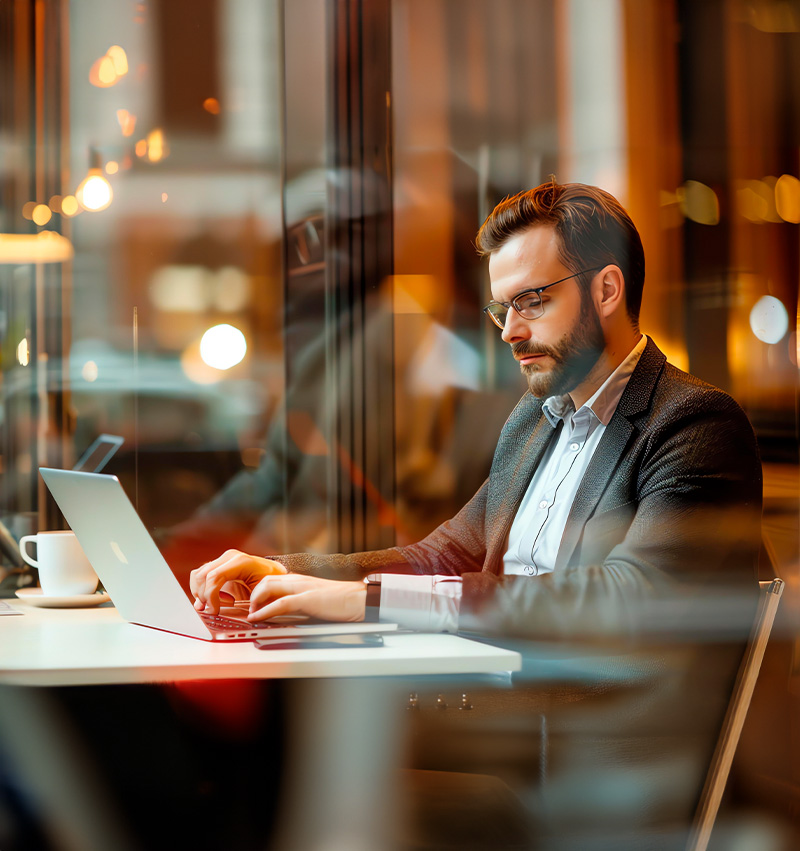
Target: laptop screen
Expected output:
[98,454]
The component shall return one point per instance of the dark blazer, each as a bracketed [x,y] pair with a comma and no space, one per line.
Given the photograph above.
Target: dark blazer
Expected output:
[657,561]
[670,503]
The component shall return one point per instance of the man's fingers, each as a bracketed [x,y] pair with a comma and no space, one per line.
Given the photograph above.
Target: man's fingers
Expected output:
[233,565]
[218,575]
[289,604]
[271,587]
[197,578]
[212,576]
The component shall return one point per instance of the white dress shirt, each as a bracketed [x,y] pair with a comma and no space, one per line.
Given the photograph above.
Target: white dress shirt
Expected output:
[539,523]
[431,603]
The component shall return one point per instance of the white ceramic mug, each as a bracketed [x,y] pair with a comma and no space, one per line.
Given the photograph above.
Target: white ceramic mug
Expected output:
[63,567]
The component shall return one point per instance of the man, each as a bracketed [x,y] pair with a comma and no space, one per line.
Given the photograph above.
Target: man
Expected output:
[618,481]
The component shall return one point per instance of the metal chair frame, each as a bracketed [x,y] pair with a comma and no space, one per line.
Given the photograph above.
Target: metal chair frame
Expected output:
[717,777]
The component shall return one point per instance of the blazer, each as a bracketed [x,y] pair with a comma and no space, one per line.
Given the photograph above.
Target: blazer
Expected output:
[669,507]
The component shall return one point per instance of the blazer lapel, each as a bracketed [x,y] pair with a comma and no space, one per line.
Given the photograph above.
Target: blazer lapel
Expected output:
[595,480]
[611,449]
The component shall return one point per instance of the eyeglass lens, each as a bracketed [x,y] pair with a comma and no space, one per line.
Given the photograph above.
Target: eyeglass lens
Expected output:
[528,305]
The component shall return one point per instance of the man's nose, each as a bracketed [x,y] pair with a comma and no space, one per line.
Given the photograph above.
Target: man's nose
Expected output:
[516,328]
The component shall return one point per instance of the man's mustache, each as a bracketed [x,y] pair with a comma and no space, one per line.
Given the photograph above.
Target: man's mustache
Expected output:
[525,348]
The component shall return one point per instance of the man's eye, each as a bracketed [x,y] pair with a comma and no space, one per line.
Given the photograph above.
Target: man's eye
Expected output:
[528,301]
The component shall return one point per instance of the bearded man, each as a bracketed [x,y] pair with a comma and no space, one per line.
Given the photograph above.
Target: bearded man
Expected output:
[618,481]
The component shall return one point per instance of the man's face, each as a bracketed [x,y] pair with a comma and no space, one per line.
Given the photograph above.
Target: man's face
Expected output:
[556,351]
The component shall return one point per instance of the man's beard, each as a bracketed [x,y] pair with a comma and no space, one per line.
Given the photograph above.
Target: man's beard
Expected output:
[574,355]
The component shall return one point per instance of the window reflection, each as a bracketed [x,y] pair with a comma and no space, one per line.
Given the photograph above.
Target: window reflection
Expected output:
[239,234]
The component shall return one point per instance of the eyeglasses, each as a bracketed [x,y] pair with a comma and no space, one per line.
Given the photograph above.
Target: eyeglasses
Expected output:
[528,304]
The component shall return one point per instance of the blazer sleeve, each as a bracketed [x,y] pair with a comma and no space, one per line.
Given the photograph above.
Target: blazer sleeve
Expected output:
[455,547]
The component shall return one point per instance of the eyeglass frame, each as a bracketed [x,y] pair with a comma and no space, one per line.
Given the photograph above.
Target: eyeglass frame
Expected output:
[509,304]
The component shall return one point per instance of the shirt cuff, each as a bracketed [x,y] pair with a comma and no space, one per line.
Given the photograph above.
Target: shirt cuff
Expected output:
[423,603]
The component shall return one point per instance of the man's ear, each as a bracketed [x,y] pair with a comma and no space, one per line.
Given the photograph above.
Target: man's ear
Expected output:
[609,291]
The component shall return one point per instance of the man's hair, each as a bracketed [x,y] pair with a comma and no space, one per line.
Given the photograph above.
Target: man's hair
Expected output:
[593,231]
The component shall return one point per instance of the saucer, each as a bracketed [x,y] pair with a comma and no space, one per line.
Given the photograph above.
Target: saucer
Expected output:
[35,597]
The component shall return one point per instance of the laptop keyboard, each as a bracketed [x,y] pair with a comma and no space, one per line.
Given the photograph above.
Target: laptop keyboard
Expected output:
[225,624]
[221,622]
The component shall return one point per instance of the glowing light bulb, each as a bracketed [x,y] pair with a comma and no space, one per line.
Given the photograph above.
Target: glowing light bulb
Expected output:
[94,192]
[223,346]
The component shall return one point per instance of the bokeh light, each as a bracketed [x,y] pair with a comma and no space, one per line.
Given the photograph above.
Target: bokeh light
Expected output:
[89,371]
[23,352]
[94,193]
[127,122]
[109,68]
[223,346]
[787,198]
[155,145]
[41,214]
[769,320]
[69,205]
[699,203]
[119,59]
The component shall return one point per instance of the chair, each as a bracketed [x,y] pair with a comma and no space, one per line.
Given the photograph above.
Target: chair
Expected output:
[717,777]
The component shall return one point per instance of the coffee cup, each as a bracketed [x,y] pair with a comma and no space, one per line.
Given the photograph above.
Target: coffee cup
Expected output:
[63,567]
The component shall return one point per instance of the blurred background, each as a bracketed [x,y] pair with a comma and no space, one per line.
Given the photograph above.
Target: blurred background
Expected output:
[240,234]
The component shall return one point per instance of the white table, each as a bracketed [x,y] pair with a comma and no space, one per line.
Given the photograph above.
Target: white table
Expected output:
[347,712]
[95,646]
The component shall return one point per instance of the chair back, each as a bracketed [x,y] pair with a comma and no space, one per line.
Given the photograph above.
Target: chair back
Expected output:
[711,797]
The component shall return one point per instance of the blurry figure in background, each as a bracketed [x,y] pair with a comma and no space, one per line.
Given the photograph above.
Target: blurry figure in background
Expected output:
[622,509]
[439,375]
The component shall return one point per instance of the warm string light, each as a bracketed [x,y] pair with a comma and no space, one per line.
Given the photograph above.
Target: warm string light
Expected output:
[94,192]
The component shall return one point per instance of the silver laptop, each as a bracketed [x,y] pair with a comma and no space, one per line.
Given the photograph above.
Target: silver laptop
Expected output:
[99,453]
[139,580]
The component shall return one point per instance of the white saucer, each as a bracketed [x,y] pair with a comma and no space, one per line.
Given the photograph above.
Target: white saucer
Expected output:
[35,597]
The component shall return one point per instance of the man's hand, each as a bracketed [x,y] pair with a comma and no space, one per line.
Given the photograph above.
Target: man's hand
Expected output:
[206,582]
[297,594]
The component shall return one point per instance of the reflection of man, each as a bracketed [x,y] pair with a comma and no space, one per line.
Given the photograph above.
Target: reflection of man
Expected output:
[617,480]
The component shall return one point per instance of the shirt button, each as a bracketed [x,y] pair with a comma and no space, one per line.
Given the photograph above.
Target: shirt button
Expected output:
[543,504]
[574,446]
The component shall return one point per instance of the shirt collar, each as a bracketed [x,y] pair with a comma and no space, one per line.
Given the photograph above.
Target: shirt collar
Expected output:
[605,399]
[556,408]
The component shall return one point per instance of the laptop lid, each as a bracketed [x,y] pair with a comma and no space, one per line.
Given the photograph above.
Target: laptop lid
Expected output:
[138,578]
[120,549]
[99,453]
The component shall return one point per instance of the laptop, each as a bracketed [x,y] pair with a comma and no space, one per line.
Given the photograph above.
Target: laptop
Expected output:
[138,579]
[99,453]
